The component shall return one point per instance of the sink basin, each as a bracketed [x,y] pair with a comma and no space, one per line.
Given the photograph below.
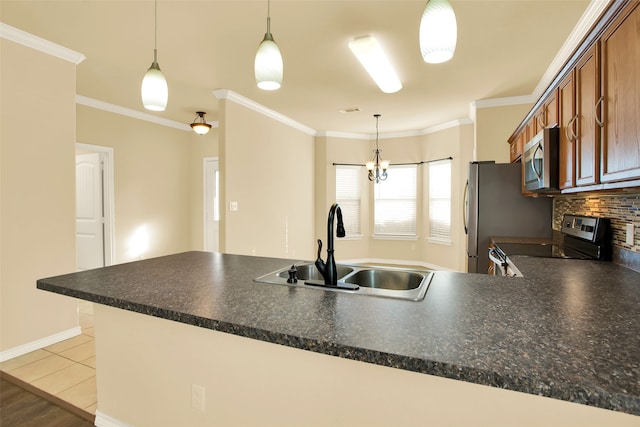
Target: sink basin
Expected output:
[386,279]
[386,282]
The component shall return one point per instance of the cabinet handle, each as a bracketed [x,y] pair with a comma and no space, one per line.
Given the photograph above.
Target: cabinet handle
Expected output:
[566,131]
[574,127]
[541,118]
[599,110]
[570,130]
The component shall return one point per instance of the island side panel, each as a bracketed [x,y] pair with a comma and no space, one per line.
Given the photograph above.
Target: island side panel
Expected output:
[146,368]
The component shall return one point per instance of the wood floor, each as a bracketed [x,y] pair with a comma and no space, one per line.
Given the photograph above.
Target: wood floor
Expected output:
[22,408]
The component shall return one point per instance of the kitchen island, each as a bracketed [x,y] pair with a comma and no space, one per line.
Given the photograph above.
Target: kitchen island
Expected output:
[192,339]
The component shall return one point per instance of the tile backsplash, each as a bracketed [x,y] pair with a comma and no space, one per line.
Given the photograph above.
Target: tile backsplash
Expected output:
[621,209]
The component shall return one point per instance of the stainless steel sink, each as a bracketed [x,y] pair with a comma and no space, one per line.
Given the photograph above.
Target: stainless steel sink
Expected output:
[386,279]
[386,282]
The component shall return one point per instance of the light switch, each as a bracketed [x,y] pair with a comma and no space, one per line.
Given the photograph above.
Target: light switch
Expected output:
[233,206]
[630,232]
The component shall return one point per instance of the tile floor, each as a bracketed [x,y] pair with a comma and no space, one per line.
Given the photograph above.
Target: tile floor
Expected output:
[66,369]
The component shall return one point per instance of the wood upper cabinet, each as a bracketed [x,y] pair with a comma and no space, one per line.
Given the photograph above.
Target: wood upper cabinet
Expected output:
[567,122]
[547,114]
[620,105]
[515,147]
[587,142]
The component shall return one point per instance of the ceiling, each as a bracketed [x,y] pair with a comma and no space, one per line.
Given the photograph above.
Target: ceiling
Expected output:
[504,48]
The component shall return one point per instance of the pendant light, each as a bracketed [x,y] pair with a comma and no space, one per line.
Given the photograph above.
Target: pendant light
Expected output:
[154,89]
[268,63]
[377,167]
[200,125]
[438,32]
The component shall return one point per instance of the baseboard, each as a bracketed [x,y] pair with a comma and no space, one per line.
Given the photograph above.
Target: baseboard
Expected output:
[38,344]
[104,420]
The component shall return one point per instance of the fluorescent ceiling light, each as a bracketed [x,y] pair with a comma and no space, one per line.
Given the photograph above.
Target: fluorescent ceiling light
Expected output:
[373,59]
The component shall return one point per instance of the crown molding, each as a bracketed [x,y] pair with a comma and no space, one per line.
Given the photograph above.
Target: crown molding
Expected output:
[34,42]
[590,16]
[134,114]
[503,102]
[252,105]
[345,135]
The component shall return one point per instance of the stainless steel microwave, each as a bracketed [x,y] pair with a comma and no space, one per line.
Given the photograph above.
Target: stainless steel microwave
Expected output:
[540,163]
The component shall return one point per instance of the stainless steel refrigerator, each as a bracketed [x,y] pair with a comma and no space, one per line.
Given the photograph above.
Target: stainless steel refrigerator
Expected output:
[495,207]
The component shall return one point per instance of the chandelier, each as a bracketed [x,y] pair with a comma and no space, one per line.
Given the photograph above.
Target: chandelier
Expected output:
[377,167]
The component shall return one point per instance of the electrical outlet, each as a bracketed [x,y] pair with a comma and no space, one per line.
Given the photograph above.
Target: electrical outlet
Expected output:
[630,234]
[197,397]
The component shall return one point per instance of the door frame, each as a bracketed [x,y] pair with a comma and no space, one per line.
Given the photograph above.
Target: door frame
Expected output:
[205,193]
[106,154]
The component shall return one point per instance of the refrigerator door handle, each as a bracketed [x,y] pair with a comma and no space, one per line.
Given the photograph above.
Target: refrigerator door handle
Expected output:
[465,208]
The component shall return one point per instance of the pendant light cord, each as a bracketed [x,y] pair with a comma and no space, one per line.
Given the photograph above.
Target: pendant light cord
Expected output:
[377,118]
[268,17]
[155,33]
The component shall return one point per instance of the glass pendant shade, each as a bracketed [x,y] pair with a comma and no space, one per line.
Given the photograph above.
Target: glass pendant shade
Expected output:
[268,65]
[154,91]
[438,32]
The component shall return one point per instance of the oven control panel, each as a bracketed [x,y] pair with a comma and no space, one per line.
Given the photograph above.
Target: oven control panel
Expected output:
[583,227]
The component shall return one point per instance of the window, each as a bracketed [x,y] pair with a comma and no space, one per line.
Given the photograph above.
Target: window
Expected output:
[440,201]
[395,203]
[348,190]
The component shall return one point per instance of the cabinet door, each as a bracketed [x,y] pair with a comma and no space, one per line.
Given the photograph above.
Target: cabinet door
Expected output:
[551,110]
[620,49]
[515,146]
[587,143]
[567,112]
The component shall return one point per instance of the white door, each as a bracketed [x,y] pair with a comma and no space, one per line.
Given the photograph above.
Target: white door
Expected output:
[211,204]
[89,212]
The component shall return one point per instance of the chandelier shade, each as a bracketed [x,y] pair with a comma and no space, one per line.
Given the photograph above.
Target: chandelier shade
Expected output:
[438,32]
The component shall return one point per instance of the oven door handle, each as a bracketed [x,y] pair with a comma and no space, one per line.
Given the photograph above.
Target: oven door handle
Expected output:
[500,267]
[495,257]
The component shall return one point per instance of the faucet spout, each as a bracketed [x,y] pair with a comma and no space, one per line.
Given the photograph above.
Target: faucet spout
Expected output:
[328,269]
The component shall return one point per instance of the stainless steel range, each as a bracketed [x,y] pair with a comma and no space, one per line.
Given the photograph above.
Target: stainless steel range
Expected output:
[584,237]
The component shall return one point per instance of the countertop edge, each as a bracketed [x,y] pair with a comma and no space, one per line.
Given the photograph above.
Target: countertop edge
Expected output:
[536,386]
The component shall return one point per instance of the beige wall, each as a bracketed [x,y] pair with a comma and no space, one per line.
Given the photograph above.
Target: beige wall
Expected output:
[248,382]
[37,221]
[494,126]
[152,181]
[267,168]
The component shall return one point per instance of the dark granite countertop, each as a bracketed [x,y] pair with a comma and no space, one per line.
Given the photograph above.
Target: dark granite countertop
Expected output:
[567,330]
